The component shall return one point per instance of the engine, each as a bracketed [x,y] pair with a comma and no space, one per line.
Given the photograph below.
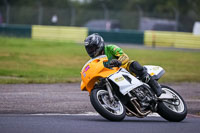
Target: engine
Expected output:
[143,96]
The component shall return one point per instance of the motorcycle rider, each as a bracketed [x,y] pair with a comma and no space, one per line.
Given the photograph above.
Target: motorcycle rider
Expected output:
[95,46]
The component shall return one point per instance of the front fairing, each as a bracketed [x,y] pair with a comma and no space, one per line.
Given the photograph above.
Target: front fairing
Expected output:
[125,81]
[93,70]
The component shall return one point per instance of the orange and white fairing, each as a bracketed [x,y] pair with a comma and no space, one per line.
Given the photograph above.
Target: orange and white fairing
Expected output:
[93,70]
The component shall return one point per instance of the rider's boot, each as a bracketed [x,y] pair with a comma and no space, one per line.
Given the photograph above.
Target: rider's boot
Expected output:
[152,83]
[141,72]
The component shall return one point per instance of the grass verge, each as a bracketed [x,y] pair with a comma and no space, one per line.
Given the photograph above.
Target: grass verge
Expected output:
[34,61]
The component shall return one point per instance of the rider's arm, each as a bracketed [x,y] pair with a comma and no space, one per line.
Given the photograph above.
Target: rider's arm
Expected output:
[120,55]
[123,58]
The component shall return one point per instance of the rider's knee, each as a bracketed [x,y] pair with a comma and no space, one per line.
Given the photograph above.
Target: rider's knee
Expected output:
[136,68]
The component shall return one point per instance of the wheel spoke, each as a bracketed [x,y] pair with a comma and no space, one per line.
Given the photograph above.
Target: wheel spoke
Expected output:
[114,107]
[176,104]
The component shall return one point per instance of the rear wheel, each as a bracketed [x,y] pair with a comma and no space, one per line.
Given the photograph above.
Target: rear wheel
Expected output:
[111,110]
[172,110]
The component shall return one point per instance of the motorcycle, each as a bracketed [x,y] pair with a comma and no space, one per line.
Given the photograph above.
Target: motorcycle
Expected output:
[115,93]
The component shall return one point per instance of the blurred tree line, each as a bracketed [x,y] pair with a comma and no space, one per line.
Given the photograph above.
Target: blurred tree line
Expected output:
[77,12]
[161,6]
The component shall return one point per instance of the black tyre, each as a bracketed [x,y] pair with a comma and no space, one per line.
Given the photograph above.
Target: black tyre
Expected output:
[113,111]
[172,110]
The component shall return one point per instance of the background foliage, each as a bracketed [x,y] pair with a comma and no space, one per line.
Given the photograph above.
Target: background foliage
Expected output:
[184,6]
[79,12]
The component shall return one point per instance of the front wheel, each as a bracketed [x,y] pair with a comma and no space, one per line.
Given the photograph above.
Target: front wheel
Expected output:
[111,110]
[174,109]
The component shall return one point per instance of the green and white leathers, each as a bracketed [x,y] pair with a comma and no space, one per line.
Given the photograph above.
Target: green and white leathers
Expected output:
[115,52]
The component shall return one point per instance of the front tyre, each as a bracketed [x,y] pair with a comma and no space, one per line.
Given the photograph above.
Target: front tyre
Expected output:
[172,110]
[111,110]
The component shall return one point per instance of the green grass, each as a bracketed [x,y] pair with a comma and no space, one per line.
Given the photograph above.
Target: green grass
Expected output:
[34,61]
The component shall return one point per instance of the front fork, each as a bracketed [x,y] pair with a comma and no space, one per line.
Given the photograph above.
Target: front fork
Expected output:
[109,88]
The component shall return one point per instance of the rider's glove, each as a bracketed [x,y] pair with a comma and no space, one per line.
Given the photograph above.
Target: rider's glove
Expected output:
[115,63]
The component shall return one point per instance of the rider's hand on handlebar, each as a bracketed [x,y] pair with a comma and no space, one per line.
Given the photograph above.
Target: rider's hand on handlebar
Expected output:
[115,63]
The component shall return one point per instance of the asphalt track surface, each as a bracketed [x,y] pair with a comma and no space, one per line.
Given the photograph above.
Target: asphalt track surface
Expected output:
[68,98]
[93,124]
[53,108]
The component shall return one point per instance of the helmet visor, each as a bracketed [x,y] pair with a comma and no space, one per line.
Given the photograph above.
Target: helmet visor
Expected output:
[91,50]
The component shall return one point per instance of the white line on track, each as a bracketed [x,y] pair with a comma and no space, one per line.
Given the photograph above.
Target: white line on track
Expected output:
[94,114]
[87,114]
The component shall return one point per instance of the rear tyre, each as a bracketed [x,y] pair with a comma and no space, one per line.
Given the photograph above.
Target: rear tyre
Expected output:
[172,110]
[113,111]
